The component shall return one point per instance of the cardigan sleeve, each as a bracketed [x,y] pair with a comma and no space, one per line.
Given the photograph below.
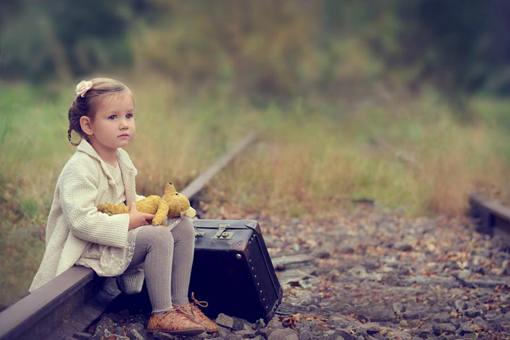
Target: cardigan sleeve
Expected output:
[79,189]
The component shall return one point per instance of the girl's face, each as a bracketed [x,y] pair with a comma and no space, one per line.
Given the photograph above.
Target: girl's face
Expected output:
[113,125]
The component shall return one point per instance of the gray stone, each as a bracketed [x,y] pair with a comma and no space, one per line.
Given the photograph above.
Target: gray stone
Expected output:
[440,328]
[460,305]
[225,320]
[346,250]
[230,322]
[223,332]
[497,326]
[398,308]
[404,271]
[82,335]
[371,328]
[322,254]
[492,316]
[163,336]
[464,274]
[246,334]
[283,334]
[344,334]
[264,332]
[340,321]
[477,269]
[464,329]
[377,314]
[136,334]
[402,246]
[504,269]
[371,265]
[274,323]
[441,317]
[481,323]
[377,337]
[414,314]
[424,331]
[472,312]
[232,337]
[119,330]
[260,323]
[104,327]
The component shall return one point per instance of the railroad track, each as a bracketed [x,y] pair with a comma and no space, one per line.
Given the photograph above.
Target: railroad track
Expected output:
[73,300]
[492,217]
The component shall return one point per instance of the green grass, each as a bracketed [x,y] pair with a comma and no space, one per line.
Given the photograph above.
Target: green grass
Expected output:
[316,154]
[402,152]
[175,141]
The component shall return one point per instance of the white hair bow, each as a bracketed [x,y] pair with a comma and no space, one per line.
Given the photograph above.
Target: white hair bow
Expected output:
[82,87]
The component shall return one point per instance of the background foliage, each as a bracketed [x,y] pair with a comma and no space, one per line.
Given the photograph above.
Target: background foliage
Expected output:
[399,103]
[264,47]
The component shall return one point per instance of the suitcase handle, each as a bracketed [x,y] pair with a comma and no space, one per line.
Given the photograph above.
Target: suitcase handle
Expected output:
[222,233]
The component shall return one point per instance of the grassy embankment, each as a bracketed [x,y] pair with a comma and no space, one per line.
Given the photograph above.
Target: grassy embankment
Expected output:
[175,141]
[398,150]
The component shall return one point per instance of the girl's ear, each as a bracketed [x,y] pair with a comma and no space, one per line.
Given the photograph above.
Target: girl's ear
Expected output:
[86,125]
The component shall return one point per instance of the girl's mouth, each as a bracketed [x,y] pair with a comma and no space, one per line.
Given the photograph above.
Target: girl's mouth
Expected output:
[124,135]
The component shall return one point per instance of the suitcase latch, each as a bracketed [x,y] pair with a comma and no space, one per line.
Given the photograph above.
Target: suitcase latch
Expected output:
[222,233]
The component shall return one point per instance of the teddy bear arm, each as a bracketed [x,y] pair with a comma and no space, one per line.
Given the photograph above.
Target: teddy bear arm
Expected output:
[112,209]
[149,204]
[161,213]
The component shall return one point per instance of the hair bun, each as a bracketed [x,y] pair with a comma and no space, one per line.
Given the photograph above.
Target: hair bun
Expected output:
[82,87]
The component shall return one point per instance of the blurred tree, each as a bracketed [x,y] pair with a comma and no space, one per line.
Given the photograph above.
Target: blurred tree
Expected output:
[264,48]
[41,39]
[461,46]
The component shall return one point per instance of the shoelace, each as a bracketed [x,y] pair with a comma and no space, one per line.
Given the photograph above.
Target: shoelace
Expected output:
[197,302]
[183,310]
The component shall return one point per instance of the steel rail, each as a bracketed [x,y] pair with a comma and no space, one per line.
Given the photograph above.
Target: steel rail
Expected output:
[492,217]
[73,300]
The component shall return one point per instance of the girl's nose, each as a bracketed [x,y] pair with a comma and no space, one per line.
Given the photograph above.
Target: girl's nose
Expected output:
[124,124]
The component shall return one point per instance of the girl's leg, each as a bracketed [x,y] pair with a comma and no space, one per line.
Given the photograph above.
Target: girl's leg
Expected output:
[184,236]
[184,246]
[155,246]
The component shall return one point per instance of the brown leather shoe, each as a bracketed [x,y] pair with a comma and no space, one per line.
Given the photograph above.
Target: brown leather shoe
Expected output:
[199,317]
[174,321]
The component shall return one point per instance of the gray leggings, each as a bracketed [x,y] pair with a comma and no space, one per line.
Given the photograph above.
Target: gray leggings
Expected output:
[167,257]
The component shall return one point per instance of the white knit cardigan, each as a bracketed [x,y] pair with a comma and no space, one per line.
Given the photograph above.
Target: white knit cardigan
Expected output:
[74,220]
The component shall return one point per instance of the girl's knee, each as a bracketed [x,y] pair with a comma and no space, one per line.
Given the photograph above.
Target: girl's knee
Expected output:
[157,236]
[184,229]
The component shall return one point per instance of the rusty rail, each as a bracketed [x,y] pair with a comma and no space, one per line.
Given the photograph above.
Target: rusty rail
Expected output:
[491,216]
[73,300]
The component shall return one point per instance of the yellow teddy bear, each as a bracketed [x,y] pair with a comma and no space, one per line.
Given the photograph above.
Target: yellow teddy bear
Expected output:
[171,204]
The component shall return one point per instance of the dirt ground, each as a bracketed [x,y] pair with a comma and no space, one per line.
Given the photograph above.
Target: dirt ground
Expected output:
[379,275]
[374,274]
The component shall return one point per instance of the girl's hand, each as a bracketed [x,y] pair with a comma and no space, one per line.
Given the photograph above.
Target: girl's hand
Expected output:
[137,219]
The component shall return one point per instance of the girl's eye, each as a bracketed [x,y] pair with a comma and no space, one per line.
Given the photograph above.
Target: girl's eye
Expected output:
[130,115]
[112,117]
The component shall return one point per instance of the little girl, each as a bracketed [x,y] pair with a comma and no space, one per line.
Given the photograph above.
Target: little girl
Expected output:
[103,114]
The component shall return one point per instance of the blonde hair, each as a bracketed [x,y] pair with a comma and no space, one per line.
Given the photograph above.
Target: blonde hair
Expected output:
[88,94]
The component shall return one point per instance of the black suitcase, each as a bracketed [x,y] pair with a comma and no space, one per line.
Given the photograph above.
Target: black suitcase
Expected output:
[232,270]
